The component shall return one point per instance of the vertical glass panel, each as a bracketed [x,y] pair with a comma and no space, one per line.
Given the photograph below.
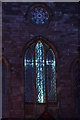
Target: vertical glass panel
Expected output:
[77,88]
[3,90]
[29,76]
[51,76]
[32,46]
[40,72]
[46,47]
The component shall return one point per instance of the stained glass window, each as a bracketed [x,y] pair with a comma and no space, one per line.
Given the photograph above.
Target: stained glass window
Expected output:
[40,69]
[51,76]
[29,76]
[40,72]
[39,15]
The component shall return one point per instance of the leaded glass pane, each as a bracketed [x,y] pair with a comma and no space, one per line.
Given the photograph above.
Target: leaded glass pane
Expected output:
[4,90]
[51,76]
[29,76]
[39,15]
[32,46]
[40,72]
[46,47]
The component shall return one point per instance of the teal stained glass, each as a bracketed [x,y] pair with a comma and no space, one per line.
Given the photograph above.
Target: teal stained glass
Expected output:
[39,75]
[51,76]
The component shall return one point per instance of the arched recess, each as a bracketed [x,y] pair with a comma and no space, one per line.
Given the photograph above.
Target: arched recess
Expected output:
[76,86]
[5,71]
[40,75]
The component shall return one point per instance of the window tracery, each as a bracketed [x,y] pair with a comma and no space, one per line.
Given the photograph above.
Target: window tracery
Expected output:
[39,15]
[40,73]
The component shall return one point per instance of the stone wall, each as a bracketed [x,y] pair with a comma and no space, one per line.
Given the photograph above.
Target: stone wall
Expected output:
[61,31]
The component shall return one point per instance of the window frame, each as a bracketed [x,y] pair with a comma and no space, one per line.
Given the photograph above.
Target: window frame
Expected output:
[43,41]
[41,5]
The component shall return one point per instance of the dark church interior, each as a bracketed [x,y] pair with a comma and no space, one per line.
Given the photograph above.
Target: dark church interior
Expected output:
[40,61]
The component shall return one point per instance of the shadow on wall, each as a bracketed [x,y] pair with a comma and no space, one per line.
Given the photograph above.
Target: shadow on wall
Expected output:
[46,116]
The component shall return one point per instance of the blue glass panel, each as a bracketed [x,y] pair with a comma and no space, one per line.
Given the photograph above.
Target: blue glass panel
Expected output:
[46,47]
[40,72]
[4,91]
[39,15]
[29,76]
[51,76]
[32,46]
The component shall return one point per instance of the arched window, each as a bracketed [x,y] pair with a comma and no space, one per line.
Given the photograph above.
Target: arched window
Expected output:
[40,73]
[39,15]
[76,74]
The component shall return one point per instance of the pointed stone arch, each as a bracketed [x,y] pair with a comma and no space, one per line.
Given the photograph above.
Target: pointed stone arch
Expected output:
[30,46]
